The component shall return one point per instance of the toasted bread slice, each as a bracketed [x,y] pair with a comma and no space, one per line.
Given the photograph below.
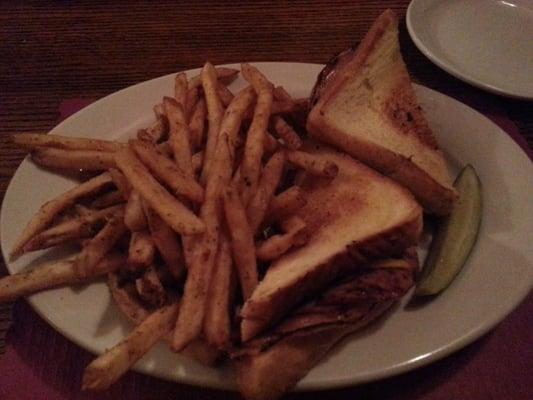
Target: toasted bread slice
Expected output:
[357,216]
[364,104]
[273,363]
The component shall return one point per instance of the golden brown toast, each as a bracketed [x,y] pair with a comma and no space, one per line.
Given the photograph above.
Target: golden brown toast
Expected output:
[364,104]
[357,216]
[272,364]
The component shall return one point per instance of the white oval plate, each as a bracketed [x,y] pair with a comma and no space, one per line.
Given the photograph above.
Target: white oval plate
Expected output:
[496,278]
[488,44]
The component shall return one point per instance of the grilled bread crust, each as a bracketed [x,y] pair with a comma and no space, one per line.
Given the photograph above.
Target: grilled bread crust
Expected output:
[273,372]
[359,216]
[364,104]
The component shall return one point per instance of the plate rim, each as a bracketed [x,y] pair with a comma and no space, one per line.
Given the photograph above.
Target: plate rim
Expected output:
[448,67]
[460,342]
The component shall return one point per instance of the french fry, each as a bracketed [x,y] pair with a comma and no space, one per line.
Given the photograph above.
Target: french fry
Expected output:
[34,141]
[294,224]
[110,366]
[313,165]
[120,182]
[224,94]
[280,94]
[88,160]
[284,204]
[167,243]
[282,107]
[197,124]
[159,111]
[99,246]
[166,171]
[191,101]
[200,253]
[217,322]
[287,133]
[271,144]
[223,74]
[272,173]
[127,299]
[197,161]
[232,119]
[166,149]
[214,116]
[51,275]
[52,208]
[158,130]
[107,200]
[242,242]
[179,135]
[174,213]
[254,146]
[277,245]
[141,252]
[81,210]
[134,217]
[72,229]
[180,89]
[150,288]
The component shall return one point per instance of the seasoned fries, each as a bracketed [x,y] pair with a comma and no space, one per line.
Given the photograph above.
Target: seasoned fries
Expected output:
[182,184]
[179,135]
[214,115]
[181,209]
[110,366]
[197,124]
[287,133]
[180,89]
[141,252]
[120,181]
[242,242]
[313,165]
[200,254]
[75,228]
[134,217]
[285,204]
[88,160]
[223,74]
[107,200]
[53,274]
[51,209]
[224,94]
[217,322]
[277,245]
[33,141]
[191,101]
[167,243]
[181,219]
[269,182]
[99,246]
[233,117]
[254,147]
[150,288]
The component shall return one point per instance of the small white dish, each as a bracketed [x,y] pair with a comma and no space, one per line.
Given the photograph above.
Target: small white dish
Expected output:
[486,43]
[497,276]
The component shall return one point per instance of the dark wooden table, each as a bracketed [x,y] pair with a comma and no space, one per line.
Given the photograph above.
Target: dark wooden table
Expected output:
[54,51]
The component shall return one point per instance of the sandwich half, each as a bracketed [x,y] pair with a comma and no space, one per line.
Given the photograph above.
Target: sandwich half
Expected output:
[358,216]
[364,104]
[272,364]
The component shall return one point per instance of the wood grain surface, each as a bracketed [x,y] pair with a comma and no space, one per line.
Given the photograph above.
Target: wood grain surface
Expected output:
[54,51]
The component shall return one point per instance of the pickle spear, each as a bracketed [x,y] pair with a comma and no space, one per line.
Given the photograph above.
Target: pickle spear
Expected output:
[454,238]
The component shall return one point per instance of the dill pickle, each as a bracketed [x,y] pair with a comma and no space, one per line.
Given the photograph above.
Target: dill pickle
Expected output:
[455,237]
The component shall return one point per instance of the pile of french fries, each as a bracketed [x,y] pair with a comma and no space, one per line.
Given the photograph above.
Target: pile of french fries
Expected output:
[183,219]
